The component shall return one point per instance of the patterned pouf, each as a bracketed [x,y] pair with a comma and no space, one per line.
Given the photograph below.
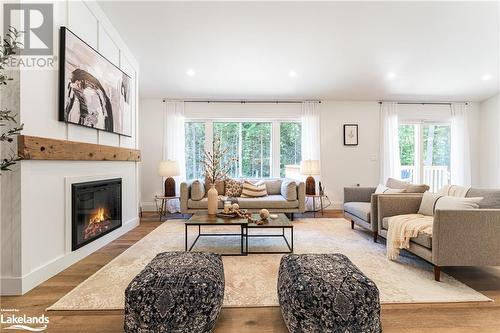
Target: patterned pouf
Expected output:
[327,293]
[176,292]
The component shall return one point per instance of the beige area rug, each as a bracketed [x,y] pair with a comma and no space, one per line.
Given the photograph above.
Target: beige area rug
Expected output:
[251,280]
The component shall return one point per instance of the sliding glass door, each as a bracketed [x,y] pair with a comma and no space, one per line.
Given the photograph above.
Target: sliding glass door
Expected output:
[425,153]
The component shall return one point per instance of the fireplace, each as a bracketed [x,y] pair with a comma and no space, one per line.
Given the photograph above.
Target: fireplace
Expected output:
[96,210]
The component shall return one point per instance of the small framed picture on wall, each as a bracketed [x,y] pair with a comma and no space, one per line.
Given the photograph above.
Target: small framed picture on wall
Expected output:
[350,135]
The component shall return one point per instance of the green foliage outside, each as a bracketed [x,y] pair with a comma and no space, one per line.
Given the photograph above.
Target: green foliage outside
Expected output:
[253,160]
[407,144]
[436,146]
[254,157]
[229,138]
[195,149]
[290,145]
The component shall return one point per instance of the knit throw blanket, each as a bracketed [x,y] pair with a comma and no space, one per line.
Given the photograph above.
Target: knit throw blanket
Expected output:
[404,227]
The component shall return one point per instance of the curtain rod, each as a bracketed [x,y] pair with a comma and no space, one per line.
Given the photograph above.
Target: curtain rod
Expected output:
[424,103]
[249,101]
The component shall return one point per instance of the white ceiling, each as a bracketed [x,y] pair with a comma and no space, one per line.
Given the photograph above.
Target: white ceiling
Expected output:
[339,50]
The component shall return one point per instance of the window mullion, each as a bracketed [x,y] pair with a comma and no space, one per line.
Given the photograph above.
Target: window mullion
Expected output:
[421,156]
[418,154]
[275,149]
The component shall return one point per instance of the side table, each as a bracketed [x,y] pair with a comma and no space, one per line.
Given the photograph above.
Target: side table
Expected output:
[161,205]
[314,197]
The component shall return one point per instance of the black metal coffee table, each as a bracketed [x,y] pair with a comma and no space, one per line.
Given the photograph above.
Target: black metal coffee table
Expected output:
[202,219]
[282,222]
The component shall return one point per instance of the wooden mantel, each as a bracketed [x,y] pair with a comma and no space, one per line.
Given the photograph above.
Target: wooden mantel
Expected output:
[36,148]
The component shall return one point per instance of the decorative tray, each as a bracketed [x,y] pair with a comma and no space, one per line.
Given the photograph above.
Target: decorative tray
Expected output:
[239,213]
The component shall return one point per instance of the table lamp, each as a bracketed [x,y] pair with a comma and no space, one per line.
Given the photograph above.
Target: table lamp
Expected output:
[310,168]
[169,169]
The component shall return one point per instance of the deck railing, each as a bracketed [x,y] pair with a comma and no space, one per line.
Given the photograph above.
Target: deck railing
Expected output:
[435,176]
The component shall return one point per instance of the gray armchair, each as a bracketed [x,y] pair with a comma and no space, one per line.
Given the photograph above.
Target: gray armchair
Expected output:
[361,209]
[361,205]
[459,237]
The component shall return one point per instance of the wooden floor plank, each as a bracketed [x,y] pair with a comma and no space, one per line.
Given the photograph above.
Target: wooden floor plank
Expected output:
[400,318]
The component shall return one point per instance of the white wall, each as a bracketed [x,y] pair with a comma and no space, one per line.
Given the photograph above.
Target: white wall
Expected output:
[341,165]
[489,148]
[43,221]
[151,124]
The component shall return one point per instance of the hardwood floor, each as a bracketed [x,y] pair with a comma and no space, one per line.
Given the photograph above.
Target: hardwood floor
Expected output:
[401,318]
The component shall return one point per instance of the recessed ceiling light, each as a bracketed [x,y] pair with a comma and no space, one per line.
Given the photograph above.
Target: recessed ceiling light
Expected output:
[391,75]
[292,74]
[486,77]
[190,72]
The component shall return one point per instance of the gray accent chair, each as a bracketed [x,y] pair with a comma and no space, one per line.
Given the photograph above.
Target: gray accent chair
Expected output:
[459,237]
[275,202]
[360,209]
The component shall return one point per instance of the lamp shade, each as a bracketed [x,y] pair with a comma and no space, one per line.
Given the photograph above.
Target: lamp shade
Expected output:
[309,167]
[168,168]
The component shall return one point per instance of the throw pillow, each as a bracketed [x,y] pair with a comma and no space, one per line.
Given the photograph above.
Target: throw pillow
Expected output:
[416,188]
[233,188]
[289,190]
[491,197]
[273,186]
[197,190]
[457,203]
[428,203]
[395,183]
[433,201]
[219,185]
[381,189]
[454,190]
[253,190]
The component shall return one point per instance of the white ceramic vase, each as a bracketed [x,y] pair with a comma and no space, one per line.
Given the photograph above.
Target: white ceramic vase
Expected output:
[213,197]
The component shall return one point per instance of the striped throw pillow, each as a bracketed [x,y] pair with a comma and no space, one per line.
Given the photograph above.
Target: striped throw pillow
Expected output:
[251,190]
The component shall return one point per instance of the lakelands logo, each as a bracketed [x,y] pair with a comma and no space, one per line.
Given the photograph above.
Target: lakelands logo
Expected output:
[24,322]
[35,22]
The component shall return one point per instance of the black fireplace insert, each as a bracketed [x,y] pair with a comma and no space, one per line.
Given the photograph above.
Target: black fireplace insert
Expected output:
[96,210]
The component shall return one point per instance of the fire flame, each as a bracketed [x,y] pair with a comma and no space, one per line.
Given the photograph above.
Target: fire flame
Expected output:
[99,216]
[98,223]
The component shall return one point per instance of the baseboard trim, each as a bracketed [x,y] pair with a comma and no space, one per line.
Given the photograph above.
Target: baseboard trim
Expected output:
[21,285]
[148,206]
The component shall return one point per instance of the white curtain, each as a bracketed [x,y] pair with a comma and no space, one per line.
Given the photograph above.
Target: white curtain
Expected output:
[310,137]
[310,131]
[460,146]
[390,164]
[174,144]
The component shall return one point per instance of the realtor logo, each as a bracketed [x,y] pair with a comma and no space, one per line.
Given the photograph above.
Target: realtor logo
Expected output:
[36,21]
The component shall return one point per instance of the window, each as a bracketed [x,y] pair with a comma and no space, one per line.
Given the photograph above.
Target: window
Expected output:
[290,145]
[425,153]
[262,148]
[251,143]
[195,149]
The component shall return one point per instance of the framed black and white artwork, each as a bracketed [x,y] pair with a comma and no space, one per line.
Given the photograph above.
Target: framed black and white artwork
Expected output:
[93,92]
[350,135]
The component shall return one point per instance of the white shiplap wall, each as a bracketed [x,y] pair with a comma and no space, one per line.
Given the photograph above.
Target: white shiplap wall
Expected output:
[42,205]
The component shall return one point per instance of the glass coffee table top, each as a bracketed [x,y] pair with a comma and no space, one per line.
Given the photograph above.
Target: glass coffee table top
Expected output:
[202,218]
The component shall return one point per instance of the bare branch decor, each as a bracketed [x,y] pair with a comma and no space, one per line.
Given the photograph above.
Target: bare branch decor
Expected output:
[215,165]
